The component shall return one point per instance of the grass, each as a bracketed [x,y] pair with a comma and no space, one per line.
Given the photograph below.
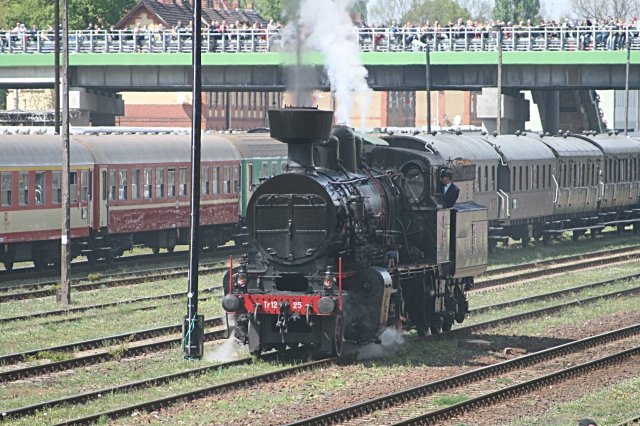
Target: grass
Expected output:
[104,295]
[554,283]
[25,335]
[515,254]
[609,406]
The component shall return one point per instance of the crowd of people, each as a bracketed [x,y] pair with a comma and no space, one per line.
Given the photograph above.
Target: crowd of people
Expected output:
[587,34]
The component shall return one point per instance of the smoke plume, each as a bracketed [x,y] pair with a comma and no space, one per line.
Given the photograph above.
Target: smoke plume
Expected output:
[328,29]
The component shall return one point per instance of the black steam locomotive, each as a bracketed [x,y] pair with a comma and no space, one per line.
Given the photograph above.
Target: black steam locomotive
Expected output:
[352,239]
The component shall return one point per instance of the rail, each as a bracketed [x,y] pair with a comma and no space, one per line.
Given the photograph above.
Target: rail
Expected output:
[369,40]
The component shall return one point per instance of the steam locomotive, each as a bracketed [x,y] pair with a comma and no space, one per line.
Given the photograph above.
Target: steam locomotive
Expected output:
[352,239]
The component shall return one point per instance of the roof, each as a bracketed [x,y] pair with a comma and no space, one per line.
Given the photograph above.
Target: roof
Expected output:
[39,151]
[124,149]
[450,146]
[256,145]
[170,13]
[571,146]
[519,148]
[616,144]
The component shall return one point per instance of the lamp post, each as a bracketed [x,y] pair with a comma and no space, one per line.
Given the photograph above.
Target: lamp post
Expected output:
[499,82]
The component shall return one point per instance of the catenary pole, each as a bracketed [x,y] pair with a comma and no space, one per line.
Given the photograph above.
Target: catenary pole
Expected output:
[428,84]
[56,66]
[65,238]
[626,87]
[499,100]
[193,326]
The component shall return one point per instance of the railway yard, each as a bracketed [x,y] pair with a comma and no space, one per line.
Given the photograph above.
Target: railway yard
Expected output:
[552,337]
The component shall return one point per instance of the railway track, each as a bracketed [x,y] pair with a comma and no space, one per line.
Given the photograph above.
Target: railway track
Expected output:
[167,401]
[533,270]
[127,351]
[105,305]
[105,281]
[391,405]
[101,342]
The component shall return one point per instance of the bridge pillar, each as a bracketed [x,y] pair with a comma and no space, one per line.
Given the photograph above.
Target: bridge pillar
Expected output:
[548,102]
[515,110]
[94,108]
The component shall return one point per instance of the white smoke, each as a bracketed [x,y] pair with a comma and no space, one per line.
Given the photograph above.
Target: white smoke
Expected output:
[391,341]
[230,349]
[329,30]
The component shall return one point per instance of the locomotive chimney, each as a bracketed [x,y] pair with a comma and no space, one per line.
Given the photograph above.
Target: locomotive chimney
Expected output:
[299,128]
[347,147]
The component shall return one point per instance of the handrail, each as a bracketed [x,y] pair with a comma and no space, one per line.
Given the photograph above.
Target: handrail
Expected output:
[508,202]
[369,40]
[555,200]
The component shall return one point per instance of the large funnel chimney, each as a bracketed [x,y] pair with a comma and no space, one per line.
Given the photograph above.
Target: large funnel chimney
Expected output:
[299,128]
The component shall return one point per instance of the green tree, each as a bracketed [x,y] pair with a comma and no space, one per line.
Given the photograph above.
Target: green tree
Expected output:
[516,10]
[81,12]
[435,10]
[269,9]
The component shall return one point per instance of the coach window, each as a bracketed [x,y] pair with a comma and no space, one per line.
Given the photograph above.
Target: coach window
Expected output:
[6,188]
[479,177]
[265,169]
[520,179]
[135,184]
[39,188]
[250,177]
[236,180]
[204,179]
[227,180]
[123,185]
[84,185]
[215,180]
[148,182]
[274,168]
[112,184]
[493,178]
[23,188]
[73,187]
[171,182]
[56,187]
[513,179]
[159,182]
[526,178]
[183,188]
[486,178]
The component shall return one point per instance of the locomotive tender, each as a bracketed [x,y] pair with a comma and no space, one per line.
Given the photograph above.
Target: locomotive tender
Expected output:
[346,242]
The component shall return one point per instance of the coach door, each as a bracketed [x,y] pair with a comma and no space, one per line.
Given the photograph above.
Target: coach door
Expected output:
[103,210]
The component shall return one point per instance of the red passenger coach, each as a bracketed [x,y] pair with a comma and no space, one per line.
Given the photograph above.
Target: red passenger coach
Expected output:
[143,191]
[31,197]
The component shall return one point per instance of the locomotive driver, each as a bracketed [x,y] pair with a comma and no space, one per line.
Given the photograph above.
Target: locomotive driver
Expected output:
[450,190]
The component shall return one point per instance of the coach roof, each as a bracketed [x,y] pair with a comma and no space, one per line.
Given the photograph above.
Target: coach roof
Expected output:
[39,151]
[140,149]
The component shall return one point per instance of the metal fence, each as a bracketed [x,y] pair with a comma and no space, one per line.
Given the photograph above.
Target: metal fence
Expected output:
[369,40]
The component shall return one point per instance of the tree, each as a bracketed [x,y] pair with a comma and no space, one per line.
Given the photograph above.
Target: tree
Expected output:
[383,11]
[435,10]
[516,10]
[479,9]
[598,9]
[81,12]
[269,9]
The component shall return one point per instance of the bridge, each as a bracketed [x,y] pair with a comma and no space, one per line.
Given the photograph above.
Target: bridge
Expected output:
[544,61]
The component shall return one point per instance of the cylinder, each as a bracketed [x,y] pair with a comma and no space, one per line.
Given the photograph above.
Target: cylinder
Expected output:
[347,147]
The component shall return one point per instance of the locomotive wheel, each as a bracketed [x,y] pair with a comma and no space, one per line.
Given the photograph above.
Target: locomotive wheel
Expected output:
[435,325]
[338,336]
[8,265]
[155,250]
[447,323]
[171,248]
